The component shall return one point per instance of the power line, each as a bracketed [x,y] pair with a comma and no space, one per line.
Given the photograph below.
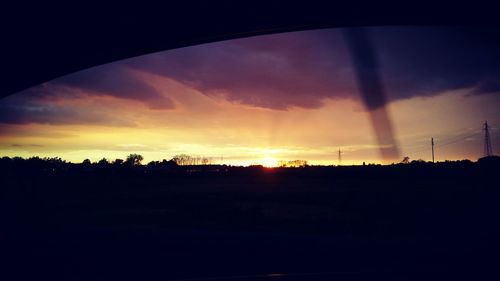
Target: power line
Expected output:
[457,140]
[452,141]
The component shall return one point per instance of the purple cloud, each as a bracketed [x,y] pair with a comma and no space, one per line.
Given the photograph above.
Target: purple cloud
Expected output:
[301,68]
[274,71]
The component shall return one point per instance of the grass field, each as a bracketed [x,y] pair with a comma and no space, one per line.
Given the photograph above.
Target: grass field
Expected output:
[373,219]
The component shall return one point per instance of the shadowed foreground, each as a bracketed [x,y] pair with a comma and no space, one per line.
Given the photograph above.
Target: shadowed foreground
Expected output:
[413,221]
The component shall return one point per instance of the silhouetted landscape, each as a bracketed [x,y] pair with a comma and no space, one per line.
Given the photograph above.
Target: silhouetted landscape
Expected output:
[303,141]
[419,216]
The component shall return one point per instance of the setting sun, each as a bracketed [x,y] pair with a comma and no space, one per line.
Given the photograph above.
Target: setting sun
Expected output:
[269,162]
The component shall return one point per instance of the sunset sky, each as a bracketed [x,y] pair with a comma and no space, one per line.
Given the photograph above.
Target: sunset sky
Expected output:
[261,99]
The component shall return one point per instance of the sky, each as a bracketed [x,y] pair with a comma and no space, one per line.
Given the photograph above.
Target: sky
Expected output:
[262,99]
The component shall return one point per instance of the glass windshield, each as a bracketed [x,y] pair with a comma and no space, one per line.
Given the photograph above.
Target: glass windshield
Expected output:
[268,100]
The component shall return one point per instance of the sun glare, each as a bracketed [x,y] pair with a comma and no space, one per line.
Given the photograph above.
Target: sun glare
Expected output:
[269,162]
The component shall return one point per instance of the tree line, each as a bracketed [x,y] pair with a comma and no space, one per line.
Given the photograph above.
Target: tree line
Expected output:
[133,159]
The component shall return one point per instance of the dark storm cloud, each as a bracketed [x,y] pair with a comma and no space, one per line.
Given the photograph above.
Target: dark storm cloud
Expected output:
[425,61]
[40,113]
[293,69]
[302,68]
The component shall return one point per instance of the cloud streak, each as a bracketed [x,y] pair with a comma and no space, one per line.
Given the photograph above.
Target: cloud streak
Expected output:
[54,114]
[26,145]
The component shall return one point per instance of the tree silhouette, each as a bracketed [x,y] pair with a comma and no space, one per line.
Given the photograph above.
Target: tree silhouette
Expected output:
[134,159]
[183,159]
[103,162]
[292,164]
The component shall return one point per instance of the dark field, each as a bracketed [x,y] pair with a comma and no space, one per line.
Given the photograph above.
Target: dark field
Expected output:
[413,221]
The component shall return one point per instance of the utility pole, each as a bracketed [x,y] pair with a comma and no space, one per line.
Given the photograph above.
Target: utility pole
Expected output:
[488,151]
[340,157]
[432,143]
